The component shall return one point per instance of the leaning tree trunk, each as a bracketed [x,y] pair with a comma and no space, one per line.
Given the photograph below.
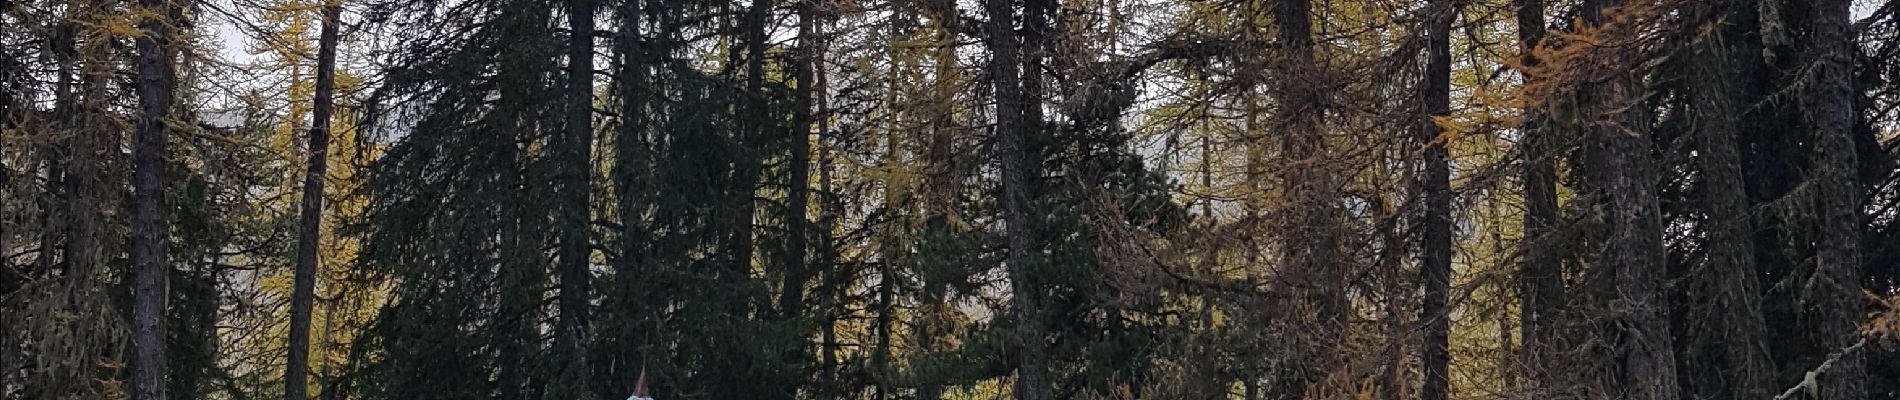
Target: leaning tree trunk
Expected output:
[148,218]
[1436,188]
[1834,289]
[304,284]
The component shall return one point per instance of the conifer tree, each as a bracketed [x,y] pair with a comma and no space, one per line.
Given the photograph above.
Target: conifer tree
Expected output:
[1077,199]
[296,369]
[1833,291]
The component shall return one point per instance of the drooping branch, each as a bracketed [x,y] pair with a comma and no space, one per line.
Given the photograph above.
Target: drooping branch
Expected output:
[1810,380]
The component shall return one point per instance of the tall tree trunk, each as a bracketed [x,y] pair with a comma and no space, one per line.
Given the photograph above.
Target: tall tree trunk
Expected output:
[832,282]
[1436,188]
[793,301]
[1004,68]
[632,163]
[80,166]
[1834,289]
[1313,273]
[575,148]
[797,203]
[1392,247]
[521,274]
[1736,321]
[523,225]
[886,316]
[830,208]
[304,283]
[1034,41]
[327,377]
[7,87]
[754,119]
[8,278]
[64,107]
[149,229]
[1626,174]
[520,285]
[753,126]
[1541,274]
[1508,349]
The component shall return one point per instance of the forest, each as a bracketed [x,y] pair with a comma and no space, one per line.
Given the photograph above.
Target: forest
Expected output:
[950,199]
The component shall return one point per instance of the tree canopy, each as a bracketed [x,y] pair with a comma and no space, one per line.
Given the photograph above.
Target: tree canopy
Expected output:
[943,199]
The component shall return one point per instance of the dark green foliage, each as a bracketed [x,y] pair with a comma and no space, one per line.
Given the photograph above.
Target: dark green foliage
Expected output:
[458,209]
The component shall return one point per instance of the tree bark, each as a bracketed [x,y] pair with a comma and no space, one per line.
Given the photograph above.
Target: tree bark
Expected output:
[753,126]
[1004,68]
[834,276]
[798,194]
[1309,245]
[797,202]
[63,51]
[1541,274]
[833,280]
[1626,175]
[80,164]
[1736,321]
[1834,290]
[886,314]
[1436,188]
[1393,248]
[1034,41]
[8,279]
[575,147]
[304,282]
[149,230]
